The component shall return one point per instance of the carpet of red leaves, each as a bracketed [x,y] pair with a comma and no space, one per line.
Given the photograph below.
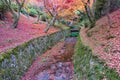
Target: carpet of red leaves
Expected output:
[26,30]
[105,41]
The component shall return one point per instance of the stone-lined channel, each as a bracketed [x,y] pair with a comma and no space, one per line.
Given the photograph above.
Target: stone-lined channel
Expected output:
[55,64]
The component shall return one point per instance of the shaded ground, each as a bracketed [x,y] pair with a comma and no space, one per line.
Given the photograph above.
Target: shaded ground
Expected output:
[55,64]
[105,41]
[25,31]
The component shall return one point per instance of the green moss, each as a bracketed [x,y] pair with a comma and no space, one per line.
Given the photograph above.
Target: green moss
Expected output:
[1,58]
[2,72]
[9,51]
[6,55]
[89,66]
[15,50]
[24,45]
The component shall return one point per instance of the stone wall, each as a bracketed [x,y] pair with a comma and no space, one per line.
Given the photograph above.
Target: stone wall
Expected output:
[16,62]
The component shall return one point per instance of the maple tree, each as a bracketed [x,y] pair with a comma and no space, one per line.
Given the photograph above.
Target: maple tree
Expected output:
[56,8]
[51,7]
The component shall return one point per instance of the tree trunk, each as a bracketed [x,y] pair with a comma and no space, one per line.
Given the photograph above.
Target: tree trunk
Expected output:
[108,2]
[52,22]
[16,19]
[109,20]
[38,19]
[14,25]
[93,8]
[16,16]
[88,14]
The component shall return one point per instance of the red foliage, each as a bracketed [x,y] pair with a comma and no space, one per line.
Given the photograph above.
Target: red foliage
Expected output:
[107,43]
[25,31]
[69,1]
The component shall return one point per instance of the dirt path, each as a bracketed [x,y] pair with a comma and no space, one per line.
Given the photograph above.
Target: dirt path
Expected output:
[55,64]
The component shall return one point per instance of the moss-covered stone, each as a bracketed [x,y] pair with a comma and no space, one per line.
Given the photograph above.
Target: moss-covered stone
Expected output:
[1,58]
[6,55]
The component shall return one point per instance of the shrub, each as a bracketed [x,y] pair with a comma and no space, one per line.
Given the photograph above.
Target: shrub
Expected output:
[3,9]
[33,12]
[86,23]
[42,18]
[63,21]
[23,11]
[15,6]
[99,8]
[77,12]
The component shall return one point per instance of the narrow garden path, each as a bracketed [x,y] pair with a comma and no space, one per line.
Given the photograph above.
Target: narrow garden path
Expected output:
[55,64]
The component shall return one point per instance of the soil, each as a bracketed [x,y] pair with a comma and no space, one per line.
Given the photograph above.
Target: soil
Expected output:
[55,64]
[105,41]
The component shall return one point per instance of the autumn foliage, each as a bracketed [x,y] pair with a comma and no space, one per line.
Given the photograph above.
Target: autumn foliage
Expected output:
[64,7]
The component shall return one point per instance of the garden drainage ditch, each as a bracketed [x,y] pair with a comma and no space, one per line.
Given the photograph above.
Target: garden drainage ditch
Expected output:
[55,64]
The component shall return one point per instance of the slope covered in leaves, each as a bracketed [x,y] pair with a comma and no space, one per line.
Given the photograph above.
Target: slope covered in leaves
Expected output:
[25,31]
[105,41]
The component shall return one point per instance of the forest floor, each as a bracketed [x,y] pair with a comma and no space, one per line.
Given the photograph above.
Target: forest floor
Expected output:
[55,64]
[105,41]
[26,30]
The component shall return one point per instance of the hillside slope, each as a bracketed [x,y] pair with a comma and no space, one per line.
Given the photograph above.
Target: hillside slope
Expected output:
[105,41]
[25,31]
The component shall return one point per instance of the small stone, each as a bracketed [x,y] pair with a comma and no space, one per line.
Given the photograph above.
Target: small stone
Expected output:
[57,73]
[50,71]
[68,63]
[60,64]
[53,67]
[60,78]
[67,70]
[43,76]
[52,77]
[65,65]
